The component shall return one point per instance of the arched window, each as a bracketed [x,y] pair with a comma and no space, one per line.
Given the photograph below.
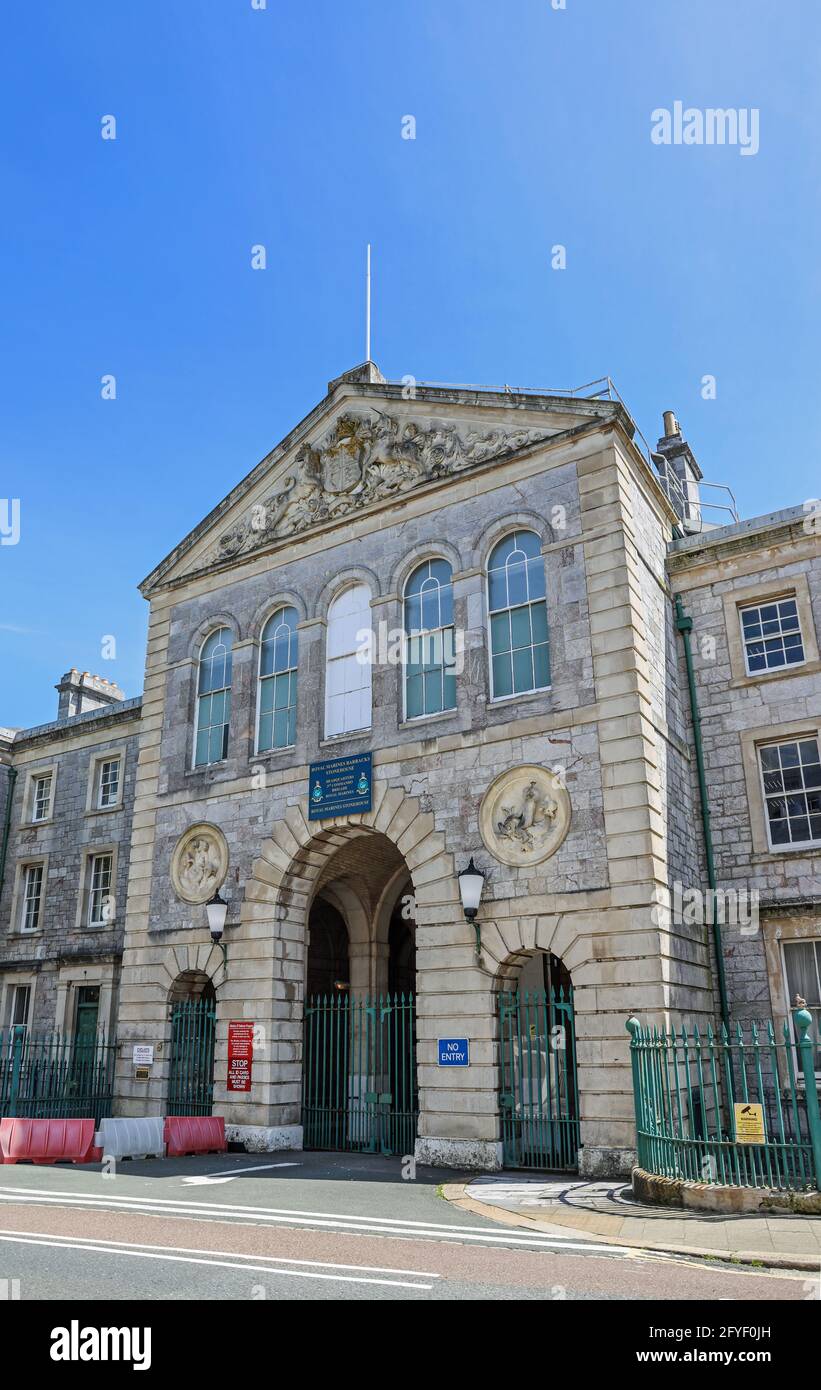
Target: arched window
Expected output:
[348,662]
[277,681]
[519,648]
[213,698]
[430,676]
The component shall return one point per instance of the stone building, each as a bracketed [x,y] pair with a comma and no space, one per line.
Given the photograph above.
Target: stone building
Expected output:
[436,626]
[66,800]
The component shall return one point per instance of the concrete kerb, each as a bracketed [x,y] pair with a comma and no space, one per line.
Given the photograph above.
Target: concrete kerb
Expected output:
[596,1224]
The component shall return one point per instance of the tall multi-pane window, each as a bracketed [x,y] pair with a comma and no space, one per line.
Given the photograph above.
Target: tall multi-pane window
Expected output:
[802,960]
[32,897]
[277,681]
[430,677]
[109,788]
[41,799]
[348,662]
[791,778]
[519,647]
[21,1005]
[213,699]
[100,901]
[771,633]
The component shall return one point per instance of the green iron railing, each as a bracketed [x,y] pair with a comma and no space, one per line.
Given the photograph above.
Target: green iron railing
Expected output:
[56,1076]
[692,1089]
[539,1095]
[359,1073]
[191,1070]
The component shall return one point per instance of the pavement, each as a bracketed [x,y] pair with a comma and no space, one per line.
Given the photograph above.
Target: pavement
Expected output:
[608,1212]
[314,1226]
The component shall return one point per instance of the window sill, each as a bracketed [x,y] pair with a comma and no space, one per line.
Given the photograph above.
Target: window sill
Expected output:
[418,720]
[803,668]
[205,768]
[103,810]
[265,754]
[334,739]
[36,824]
[525,695]
[806,847]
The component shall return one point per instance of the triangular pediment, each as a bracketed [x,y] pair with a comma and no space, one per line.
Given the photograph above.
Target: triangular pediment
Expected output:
[366,444]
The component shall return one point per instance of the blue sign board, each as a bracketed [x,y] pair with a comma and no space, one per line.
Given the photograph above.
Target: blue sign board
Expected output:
[454,1052]
[339,786]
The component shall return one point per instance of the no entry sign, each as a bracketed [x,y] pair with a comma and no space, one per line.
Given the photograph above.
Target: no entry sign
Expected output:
[240,1054]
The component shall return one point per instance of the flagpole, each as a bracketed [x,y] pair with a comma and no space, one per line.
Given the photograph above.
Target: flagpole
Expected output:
[368,307]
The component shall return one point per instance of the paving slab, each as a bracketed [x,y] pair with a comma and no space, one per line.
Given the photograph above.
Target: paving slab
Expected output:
[607,1210]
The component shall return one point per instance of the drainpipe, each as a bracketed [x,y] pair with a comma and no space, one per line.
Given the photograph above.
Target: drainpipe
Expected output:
[12,778]
[684,624]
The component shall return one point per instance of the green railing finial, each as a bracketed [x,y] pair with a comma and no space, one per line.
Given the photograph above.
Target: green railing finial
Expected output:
[633,1027]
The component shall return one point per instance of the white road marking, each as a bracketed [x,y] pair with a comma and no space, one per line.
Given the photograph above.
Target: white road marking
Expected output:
[231,1254]
[133,1253]
[226,1175]
[377,1225]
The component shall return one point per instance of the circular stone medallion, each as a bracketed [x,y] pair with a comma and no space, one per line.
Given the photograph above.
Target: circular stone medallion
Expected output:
[199,863]
[524,815]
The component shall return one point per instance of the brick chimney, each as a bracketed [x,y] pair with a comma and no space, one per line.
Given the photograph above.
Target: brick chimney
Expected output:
[680,474]
[79,691]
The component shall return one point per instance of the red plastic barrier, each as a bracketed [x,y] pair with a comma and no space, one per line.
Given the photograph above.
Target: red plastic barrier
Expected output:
[47,1141]
[194,1134]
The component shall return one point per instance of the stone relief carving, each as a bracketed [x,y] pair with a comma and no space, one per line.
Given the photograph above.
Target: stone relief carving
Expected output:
[360,460]
[199,863]
[524,815]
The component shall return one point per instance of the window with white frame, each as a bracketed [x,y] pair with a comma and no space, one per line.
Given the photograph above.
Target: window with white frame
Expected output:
[20,1006]
[41,796]
[802,963]
[213,699]
[430,678]
[348,662]
[32,908]
[277,681]
[519,646]
[100,899]
[771,633]
[108,783]
[791,779]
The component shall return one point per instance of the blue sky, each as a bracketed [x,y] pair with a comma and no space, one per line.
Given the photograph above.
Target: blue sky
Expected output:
[282,127]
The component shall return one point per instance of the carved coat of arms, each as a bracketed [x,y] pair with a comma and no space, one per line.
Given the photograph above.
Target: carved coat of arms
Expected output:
[364,459]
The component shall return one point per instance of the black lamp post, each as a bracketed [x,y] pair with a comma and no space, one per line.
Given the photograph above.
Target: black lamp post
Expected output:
[471,883]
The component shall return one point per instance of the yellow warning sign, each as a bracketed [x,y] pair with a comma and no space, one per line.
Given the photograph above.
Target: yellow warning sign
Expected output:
[749,1123]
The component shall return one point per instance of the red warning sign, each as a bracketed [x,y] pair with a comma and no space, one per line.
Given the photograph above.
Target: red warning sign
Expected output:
[240,1054]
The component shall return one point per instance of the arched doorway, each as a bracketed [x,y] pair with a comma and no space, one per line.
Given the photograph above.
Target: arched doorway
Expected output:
[193,1030]
[537,1065]
[359,1048]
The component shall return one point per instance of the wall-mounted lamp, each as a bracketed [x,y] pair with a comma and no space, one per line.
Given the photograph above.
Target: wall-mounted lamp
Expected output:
[471,883]
[217,910]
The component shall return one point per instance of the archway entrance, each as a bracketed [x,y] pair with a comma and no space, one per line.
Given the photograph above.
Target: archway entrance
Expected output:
[193,1030]
[359,1051]
[537,1063]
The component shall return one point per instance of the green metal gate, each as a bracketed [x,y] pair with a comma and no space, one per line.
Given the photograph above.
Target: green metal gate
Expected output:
[539,1093]
[55,1075]
[359,1073]
[191,1076]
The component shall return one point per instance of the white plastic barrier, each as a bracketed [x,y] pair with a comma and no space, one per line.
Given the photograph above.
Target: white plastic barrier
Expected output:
[132,1138]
